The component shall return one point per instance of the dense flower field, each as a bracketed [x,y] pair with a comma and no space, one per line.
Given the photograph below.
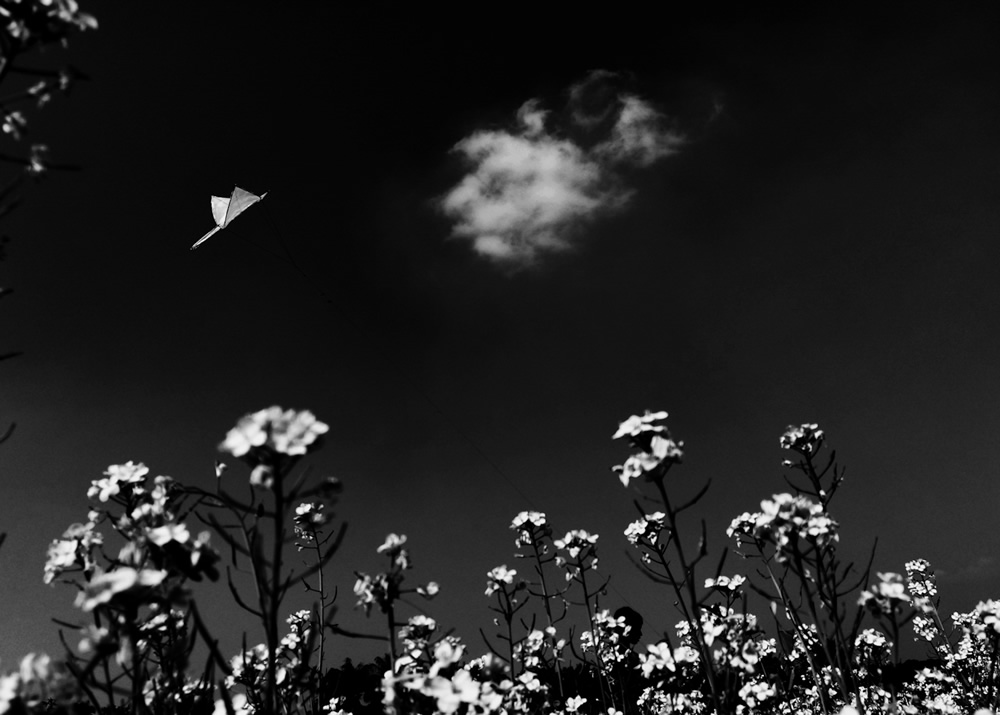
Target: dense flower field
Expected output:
[830,643]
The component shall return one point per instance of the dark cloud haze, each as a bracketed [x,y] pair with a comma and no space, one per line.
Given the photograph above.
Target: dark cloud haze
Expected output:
[485,245]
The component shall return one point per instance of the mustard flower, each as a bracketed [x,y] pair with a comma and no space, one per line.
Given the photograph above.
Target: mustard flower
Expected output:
[372,590]
[38,684]
[529,525]
[62,555]
[658,656]
[756,692]
[662,451]
[299,624]
[281,431]
[97,640]
[153,504]
[749,652]
[9,687]
[925,628]
[725,583]
[451,693]
[655,448]
[392,545]
[429,591]
[636,425]
[36,160]
[921,583]
[262,476]
[741,527]
[250,669]
[529,680]
[608,632]
[497,577]
[308,519]
[128,472]
[886,596]
[164,623]
[336,706]
[169,532]
[872,639]
[783,520]
[419,626]
[531,649]
[447,652]
[805,439]
[13,124]
[393,548]
[416,636]
[648,527]
[310,513]
[117,474]
[72,550]
[576,541]
[535,518]
[203,556]
[68,11]
[106,586]
[239,704]
[986,619]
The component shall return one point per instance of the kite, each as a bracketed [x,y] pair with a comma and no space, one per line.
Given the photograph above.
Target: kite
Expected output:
[225,210]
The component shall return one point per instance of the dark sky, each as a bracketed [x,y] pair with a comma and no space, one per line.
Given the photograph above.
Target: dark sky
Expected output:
[822,248]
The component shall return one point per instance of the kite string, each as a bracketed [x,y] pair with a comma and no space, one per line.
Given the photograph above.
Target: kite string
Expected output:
[265,250]
[289,258]
[402,376]
[400,373]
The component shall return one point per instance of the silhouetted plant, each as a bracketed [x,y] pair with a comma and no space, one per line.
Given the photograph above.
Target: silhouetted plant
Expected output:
[135,656]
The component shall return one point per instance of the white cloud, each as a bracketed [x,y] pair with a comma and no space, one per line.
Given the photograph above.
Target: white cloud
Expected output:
[639,136]
[532,118]
[530,190]
[526,192]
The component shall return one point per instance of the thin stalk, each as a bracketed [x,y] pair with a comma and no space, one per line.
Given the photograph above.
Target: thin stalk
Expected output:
[274,595]
[548,610]
[688,571]
[321,617]
[593,630]
[801,630]
[136,662]
[508,613]
[820,636]
[391,622]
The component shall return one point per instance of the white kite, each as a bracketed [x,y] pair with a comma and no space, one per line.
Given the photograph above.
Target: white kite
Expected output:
[224,210]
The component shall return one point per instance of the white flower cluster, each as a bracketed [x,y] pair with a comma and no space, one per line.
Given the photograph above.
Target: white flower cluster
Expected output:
[73,550]
[885,597]
[497,577]
[783,520]
[579,546]
[655,450]
[660,657]
[39,682]
[804,439]
[116,476]
[647,528]
[604,639]
[530,526]
[280,431]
